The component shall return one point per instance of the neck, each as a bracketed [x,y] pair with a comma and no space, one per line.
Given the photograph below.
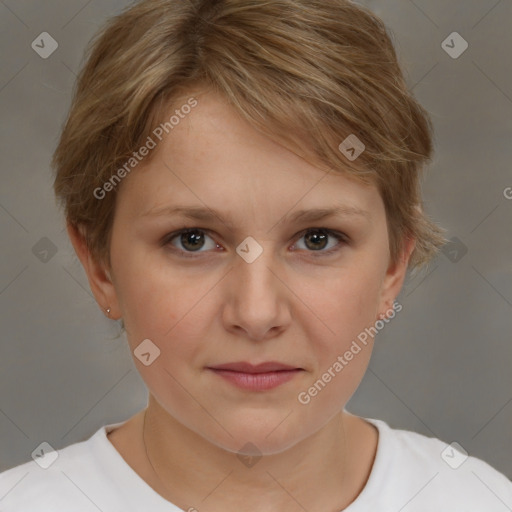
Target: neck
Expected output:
[329,469]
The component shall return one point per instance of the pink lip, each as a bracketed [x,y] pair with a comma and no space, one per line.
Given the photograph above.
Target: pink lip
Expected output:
[256,377]
[244,367]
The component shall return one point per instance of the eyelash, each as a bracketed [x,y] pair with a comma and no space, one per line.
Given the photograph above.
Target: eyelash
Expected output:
[341,237]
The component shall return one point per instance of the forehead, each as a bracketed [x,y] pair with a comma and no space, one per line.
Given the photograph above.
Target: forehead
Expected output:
[213,157]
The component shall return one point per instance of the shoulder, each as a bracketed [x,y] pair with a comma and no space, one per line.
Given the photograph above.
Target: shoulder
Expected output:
[52,481]
[429,471]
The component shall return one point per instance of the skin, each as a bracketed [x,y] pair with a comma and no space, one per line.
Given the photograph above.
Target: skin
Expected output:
[293,304]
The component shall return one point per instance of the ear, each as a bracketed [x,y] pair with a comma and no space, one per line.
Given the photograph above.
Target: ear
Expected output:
[394,278]
[99,277]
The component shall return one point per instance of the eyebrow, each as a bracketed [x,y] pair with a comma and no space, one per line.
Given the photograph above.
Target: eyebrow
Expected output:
[306,215]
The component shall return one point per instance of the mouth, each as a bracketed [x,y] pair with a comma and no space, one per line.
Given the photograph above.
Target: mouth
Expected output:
[260,377]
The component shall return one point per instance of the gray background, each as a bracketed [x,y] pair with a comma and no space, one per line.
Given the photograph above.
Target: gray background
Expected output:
[441,367]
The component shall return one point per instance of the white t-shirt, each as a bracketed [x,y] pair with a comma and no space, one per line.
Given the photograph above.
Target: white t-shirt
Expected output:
[411,472]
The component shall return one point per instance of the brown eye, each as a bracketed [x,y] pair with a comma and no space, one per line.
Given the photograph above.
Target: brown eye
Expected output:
[190,240]
[317,239]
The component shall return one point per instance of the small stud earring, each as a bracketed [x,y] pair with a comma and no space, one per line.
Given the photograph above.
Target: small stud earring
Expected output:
[108,310]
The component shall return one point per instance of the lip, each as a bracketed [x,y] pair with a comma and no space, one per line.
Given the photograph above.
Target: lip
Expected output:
[260,377]
[245,367]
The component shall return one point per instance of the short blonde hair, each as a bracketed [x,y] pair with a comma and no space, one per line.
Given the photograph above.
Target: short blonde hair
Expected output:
[307,72]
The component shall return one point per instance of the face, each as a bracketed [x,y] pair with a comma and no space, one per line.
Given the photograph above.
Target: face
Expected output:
[250,281]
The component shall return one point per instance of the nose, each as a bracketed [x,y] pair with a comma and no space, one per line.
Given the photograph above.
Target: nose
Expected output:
[258,298]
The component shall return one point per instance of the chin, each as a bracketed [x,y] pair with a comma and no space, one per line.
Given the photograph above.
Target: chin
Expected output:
[263,435]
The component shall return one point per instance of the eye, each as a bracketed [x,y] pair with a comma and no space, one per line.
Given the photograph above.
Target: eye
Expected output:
[316,240]
[191,240]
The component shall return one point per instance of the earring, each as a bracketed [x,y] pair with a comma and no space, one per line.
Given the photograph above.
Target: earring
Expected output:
[108,310]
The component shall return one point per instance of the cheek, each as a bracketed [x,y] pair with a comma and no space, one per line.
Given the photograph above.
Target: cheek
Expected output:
[345,306]
[341,342]
[164,305]
[342,307]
